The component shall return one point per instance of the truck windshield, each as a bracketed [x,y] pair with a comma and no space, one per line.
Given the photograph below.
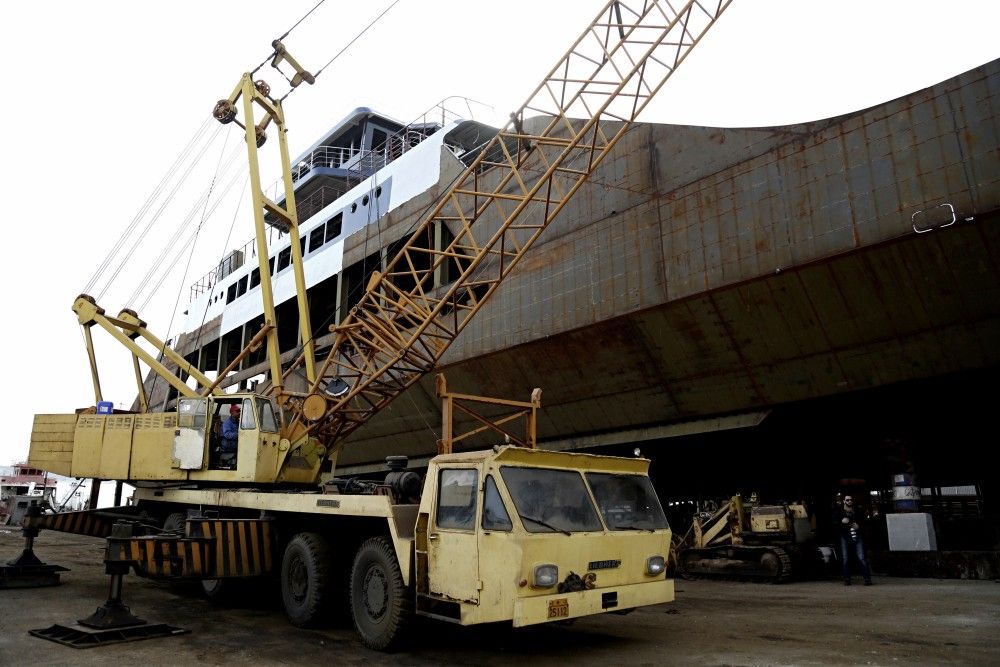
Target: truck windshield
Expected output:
[627,502]
[549,501]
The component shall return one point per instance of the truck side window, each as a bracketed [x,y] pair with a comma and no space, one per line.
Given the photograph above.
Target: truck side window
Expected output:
[495,516]
[456,502]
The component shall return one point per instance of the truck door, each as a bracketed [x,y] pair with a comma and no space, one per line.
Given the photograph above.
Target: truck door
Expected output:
[452,555]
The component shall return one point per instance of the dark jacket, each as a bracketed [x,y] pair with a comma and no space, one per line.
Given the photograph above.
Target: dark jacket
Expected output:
[854,515]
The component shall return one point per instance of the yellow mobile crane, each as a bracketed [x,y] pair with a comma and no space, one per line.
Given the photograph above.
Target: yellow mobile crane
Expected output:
[507,534]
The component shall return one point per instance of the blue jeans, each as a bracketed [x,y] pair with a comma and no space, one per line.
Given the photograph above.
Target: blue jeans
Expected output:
[847,545]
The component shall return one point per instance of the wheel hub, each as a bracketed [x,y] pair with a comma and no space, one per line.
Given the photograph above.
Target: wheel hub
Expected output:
[298,579]
[376,593]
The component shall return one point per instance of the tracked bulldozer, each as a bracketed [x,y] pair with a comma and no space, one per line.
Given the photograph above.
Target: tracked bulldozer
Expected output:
[748,540]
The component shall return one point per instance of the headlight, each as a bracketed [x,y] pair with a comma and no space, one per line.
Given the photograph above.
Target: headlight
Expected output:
[655,565]
[546,576]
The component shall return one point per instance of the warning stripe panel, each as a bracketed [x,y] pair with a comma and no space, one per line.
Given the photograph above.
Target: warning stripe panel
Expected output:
[216,548]
[161,556]
[86,522]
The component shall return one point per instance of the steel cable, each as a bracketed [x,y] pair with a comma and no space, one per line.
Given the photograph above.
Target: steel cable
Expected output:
[152,288]
[180,229]
[185,152]
[156,216]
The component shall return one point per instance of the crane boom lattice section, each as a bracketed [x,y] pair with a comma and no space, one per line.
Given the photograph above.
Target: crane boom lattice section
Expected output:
[495,210]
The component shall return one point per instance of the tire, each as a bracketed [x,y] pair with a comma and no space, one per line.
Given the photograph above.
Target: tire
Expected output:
[381,603]
[307,579]
[218,591]
[174,522]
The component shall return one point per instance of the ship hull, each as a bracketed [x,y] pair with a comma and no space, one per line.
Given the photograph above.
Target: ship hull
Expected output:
[705,272]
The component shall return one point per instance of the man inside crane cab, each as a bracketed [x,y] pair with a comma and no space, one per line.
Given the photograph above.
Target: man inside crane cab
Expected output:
[230,439]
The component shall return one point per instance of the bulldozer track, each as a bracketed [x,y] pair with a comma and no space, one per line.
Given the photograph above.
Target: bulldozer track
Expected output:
[730,568]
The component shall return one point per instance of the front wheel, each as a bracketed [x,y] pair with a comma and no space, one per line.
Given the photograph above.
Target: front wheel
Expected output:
[381,603]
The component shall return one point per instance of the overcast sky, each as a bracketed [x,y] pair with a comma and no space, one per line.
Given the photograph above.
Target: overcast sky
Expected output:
[101,96]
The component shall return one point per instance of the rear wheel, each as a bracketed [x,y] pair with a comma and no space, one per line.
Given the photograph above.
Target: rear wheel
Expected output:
[381,603]
[306,579]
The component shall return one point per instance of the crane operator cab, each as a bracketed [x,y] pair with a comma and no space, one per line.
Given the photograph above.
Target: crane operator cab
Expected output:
[226,438]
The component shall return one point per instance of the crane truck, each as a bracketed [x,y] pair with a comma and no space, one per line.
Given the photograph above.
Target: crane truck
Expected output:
[510,533]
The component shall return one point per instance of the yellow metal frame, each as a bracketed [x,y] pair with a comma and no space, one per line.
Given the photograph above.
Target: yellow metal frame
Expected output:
[125,329]
[451,401]
[258,92]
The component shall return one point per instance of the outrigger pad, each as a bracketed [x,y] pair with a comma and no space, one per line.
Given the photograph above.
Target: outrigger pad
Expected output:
[30,576]
[80,636]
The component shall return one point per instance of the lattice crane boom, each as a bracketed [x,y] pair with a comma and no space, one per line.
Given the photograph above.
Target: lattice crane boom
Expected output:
[494,211]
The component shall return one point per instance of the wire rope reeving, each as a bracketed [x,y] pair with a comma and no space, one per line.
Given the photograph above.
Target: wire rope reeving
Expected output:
[348,45]
[156,266]
[156,216]
[287,33]
[187,266]
[148,203]
[225,248]
[152,291]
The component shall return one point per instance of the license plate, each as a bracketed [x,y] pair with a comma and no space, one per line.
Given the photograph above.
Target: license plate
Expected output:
[559,608]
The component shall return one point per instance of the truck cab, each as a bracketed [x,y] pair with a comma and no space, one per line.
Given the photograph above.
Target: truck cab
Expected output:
[532,536]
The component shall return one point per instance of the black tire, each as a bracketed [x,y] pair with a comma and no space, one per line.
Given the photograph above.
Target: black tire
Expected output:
[174,522]
[307,579]
[218,591]
[381,603]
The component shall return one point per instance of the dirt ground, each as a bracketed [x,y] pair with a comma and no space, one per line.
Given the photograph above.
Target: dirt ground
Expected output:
[896,621]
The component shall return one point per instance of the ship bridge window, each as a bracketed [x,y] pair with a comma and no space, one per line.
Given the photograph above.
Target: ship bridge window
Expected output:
[284,259]
[302,246]
[270,264]
[231,293]
[254,278]
[333,227]
[241,286]
[316,238]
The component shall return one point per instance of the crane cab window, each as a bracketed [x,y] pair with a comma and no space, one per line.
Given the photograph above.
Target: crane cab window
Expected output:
[247,419]
[191,413]
[268,422]
[456,501]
